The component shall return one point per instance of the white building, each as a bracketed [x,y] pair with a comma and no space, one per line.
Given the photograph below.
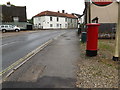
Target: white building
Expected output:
[54,20]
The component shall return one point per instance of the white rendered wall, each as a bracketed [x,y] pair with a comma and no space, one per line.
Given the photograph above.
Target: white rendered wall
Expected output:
[54,22]
[44,22]
[39,21]
[72,23]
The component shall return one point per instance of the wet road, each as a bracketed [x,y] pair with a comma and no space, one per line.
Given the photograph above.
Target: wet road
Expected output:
[53,67]
[16,47]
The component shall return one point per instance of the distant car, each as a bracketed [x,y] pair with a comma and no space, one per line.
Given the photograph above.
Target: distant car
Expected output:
[5,28]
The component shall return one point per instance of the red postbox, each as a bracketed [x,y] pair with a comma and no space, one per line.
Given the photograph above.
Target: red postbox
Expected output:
[92,39]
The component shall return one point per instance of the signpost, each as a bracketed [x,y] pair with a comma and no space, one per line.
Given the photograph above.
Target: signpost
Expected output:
[117,42]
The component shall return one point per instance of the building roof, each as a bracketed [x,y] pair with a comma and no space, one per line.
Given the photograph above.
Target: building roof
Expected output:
[51,13]
[8,12]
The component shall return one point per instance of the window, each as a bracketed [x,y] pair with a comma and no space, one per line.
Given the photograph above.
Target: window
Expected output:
[57,19]
[60,25]
[2,26]
[50,18]
[51,25]
[65,19]
[6,26]
[75,20]
[15,19]
[57,25]
[71,20]
[65,25]
[10,26]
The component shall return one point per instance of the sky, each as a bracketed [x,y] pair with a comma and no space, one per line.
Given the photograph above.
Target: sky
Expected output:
[36,6]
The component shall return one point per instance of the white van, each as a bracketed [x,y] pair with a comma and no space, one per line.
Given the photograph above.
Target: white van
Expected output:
[5,28]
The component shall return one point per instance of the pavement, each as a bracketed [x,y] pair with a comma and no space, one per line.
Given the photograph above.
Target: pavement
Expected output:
[53,67]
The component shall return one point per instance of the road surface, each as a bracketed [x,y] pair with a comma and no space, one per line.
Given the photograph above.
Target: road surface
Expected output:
[16,47]
[53,67]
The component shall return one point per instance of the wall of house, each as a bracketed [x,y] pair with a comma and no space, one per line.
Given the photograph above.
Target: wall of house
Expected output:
[14,15]
[38,22]
[61,23]
[72,23]
[44,22]
[9,12]
[75,23]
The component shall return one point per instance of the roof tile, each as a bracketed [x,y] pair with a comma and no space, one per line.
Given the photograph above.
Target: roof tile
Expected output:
[51,13]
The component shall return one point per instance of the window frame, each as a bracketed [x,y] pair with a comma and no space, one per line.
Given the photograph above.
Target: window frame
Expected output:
[58,25]
[51,25]
[57,19]
[65,19]
[51,19]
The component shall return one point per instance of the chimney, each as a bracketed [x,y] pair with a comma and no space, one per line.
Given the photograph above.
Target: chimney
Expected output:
[63,11]
[73,14]
[8,4]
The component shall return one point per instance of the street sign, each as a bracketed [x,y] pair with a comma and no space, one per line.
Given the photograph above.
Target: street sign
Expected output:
[102,2]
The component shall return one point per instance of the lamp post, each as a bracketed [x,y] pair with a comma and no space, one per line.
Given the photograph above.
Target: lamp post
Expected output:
[117,41]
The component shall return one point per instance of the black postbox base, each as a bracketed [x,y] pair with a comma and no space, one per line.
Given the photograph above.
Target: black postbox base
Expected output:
[91,53]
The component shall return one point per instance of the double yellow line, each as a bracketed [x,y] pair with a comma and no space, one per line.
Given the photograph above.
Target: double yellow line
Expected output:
[9,70]
[28,56]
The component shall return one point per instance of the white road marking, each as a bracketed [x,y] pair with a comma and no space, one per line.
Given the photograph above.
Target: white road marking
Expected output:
[7,44]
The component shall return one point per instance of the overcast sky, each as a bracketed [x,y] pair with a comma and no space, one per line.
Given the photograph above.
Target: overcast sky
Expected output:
[36,6]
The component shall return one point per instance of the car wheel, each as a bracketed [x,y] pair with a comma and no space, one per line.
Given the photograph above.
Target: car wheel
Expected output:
[17,30]
[3,30]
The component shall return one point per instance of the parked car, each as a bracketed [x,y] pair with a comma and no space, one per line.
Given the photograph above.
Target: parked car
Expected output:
[5,28]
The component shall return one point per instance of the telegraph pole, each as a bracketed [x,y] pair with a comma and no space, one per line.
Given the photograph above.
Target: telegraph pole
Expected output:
[117,41]
[89,5]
